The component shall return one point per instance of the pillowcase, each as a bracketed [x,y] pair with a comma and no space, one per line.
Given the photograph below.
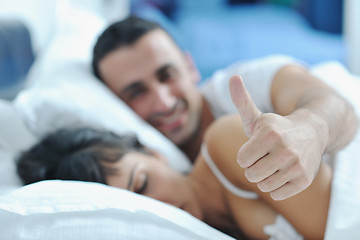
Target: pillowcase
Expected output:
[75,98]
[336,75]
[9,180]
[14,137]
[63,92]
[57,210]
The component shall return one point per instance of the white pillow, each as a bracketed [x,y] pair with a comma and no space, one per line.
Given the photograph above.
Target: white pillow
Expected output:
[14,137]
[9,180]
[57,210]
[64,92]
[337,76]
[75,98]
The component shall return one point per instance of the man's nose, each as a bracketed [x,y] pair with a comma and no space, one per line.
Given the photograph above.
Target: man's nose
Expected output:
[163,98]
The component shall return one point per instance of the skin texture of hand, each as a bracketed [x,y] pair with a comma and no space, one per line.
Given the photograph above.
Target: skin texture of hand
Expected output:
[283,153]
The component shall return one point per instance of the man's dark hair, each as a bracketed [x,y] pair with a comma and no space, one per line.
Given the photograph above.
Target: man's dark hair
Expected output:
[75,154]
[118,34]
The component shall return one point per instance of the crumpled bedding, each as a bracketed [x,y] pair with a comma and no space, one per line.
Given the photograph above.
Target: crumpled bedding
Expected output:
[344,213]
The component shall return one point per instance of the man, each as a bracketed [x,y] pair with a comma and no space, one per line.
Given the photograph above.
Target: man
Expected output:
[144,66]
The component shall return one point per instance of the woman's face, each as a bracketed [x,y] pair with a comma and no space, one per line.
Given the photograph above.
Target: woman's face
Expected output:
[150,175]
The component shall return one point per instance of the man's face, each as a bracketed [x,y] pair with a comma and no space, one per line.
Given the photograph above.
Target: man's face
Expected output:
[158,82]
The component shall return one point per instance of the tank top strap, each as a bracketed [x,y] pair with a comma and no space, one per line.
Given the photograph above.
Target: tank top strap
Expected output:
[223,180]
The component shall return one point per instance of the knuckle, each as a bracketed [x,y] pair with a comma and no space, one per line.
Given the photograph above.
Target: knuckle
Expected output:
[293,158]
[262,124]
[292,154]
[274,135]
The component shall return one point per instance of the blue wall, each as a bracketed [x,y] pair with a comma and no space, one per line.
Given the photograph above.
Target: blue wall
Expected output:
[218,33]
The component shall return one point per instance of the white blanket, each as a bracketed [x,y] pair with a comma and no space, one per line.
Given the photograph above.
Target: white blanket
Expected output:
[40,211]
[75,210]
[344,214]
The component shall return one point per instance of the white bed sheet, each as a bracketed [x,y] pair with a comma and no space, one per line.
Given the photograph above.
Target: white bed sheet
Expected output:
[344,213]
[54,210]
[73,210]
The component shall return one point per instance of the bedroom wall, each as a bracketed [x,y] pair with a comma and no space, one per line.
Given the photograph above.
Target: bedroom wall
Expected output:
[352,34]
[220,32]
[43,20]
[40,15]
[37,15]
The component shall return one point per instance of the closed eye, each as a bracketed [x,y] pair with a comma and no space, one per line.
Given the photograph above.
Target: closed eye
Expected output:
[143,183]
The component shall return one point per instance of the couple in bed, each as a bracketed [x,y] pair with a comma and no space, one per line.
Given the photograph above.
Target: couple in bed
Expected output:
[280,154]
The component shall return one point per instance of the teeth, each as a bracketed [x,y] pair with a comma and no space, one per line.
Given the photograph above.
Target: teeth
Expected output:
[174,116]
[171,119]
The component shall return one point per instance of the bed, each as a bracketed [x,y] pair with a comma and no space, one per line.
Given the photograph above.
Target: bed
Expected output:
[61,93]
[73,210]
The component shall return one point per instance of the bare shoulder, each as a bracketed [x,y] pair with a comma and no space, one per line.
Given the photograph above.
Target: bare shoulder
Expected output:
[223,139]
[225,128]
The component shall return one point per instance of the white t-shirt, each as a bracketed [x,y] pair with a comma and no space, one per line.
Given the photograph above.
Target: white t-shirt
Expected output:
[257,75]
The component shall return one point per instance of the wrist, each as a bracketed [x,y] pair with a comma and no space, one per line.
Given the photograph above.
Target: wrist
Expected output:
[314,126]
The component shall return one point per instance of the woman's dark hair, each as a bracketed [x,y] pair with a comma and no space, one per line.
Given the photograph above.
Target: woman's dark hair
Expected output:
[75,154]
[118,34]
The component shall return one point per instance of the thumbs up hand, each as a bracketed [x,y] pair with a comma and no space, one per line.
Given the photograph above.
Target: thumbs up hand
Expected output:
[278,156]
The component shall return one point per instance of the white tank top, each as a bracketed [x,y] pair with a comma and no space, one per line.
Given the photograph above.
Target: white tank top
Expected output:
[224,181]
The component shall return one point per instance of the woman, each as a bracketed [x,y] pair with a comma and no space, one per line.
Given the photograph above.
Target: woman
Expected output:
[215,191]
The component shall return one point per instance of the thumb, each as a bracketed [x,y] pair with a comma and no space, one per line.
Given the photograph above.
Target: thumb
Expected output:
[248,111]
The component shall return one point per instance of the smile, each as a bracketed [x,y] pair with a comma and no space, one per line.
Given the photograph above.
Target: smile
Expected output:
[172,119]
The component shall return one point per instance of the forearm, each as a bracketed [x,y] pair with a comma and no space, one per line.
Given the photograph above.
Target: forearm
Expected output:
[331,116]
[298,94]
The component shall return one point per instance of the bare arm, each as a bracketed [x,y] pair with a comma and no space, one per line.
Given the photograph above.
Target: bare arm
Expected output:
[307,211]
[295,92]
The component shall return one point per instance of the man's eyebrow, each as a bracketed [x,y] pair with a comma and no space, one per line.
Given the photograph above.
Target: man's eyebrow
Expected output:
[164,68]
[132,176]
[129,88]
[138,83]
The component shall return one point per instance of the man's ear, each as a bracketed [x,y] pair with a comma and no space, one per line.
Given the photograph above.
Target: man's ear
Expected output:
[195,74]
